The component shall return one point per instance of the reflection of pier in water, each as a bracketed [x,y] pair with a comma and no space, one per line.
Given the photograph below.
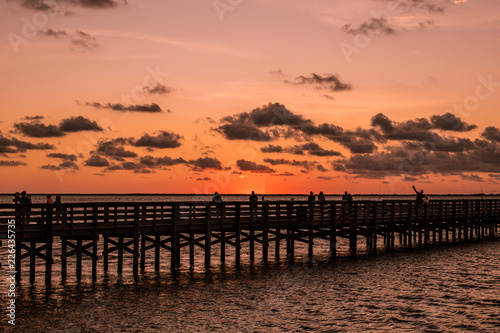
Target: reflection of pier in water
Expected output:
[139,227]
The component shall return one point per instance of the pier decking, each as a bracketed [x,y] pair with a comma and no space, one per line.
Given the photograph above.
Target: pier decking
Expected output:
[82,228]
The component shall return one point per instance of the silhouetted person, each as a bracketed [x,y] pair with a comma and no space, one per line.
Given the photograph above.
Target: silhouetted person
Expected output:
[217,198]
[263,199]
[347,196]
[49,199]
[253,197]
[24,199]
[17,196]
[321,196]
[311,197]
[58,199]
[420,195]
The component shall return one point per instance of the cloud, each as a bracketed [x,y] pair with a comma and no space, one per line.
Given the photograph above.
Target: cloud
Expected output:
[271,149]
[307,165]
[152,162]
[158,89]
[114,149]
[13,145]
[80,41]
[450,122]
[245,165]
[279,121]
[53,6]
[11,163]
[203,163]
[96,161]
[39,130]
[314,149]
[53,33]
[491,133]
[162,139]
[31,118]
[66,157]
[472,178]
[204,178]
[330,82]
[77,124]
[67,165]
[374,25]
[147,108]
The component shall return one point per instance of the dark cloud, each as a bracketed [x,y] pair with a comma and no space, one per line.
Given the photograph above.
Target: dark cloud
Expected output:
[203,163]
[82,41]
[97,161]
[147,108]
[314,149]
[247,126]
[433,6]
[13,145]
[52,6]
[77,124]
[158,89]
[38,130]
[162,139]
[450,122]
[374,25]
[152,162]
[67,165]
[204,178]
[66,157]
[491,133]
[271,149]
[11,163]
[473,178]
[53,33]
[245,165]
[114,149]
[307,165]
[330,82]
[31,118]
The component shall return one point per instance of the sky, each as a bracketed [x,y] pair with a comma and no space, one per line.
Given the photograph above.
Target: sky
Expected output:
[275,96]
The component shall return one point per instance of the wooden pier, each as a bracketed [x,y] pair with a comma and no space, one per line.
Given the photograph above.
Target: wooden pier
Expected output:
[95,230]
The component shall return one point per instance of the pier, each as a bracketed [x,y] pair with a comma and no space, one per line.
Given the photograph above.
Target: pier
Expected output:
[90,232]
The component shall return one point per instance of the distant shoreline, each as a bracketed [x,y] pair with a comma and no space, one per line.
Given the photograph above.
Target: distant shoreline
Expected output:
[237,194]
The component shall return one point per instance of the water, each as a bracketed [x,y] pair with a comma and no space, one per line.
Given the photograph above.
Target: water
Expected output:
[437,289]
[446,289]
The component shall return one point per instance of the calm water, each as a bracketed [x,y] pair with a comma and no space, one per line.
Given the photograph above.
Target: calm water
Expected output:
[437,289]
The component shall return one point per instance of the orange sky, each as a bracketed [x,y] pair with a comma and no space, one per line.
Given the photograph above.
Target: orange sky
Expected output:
[232,96]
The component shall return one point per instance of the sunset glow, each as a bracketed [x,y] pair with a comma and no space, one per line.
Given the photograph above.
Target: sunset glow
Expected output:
[275,96]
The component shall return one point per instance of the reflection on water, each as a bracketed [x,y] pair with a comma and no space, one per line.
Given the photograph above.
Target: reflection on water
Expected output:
[441,289]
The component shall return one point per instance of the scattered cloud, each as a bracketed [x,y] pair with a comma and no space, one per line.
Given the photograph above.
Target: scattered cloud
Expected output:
[491,133]
[77,124]
[11,163]
[203,163]
[146,108]
[65,157]
[330,82]
[374,26]
[13,145]
[253,167]
[114,149]
[160,139]
[97,161]
[53,6]
[158,89]
[37,129]
[66,165]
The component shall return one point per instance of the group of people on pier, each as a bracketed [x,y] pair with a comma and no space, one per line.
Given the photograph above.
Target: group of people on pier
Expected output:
[25,198]
[312,197]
